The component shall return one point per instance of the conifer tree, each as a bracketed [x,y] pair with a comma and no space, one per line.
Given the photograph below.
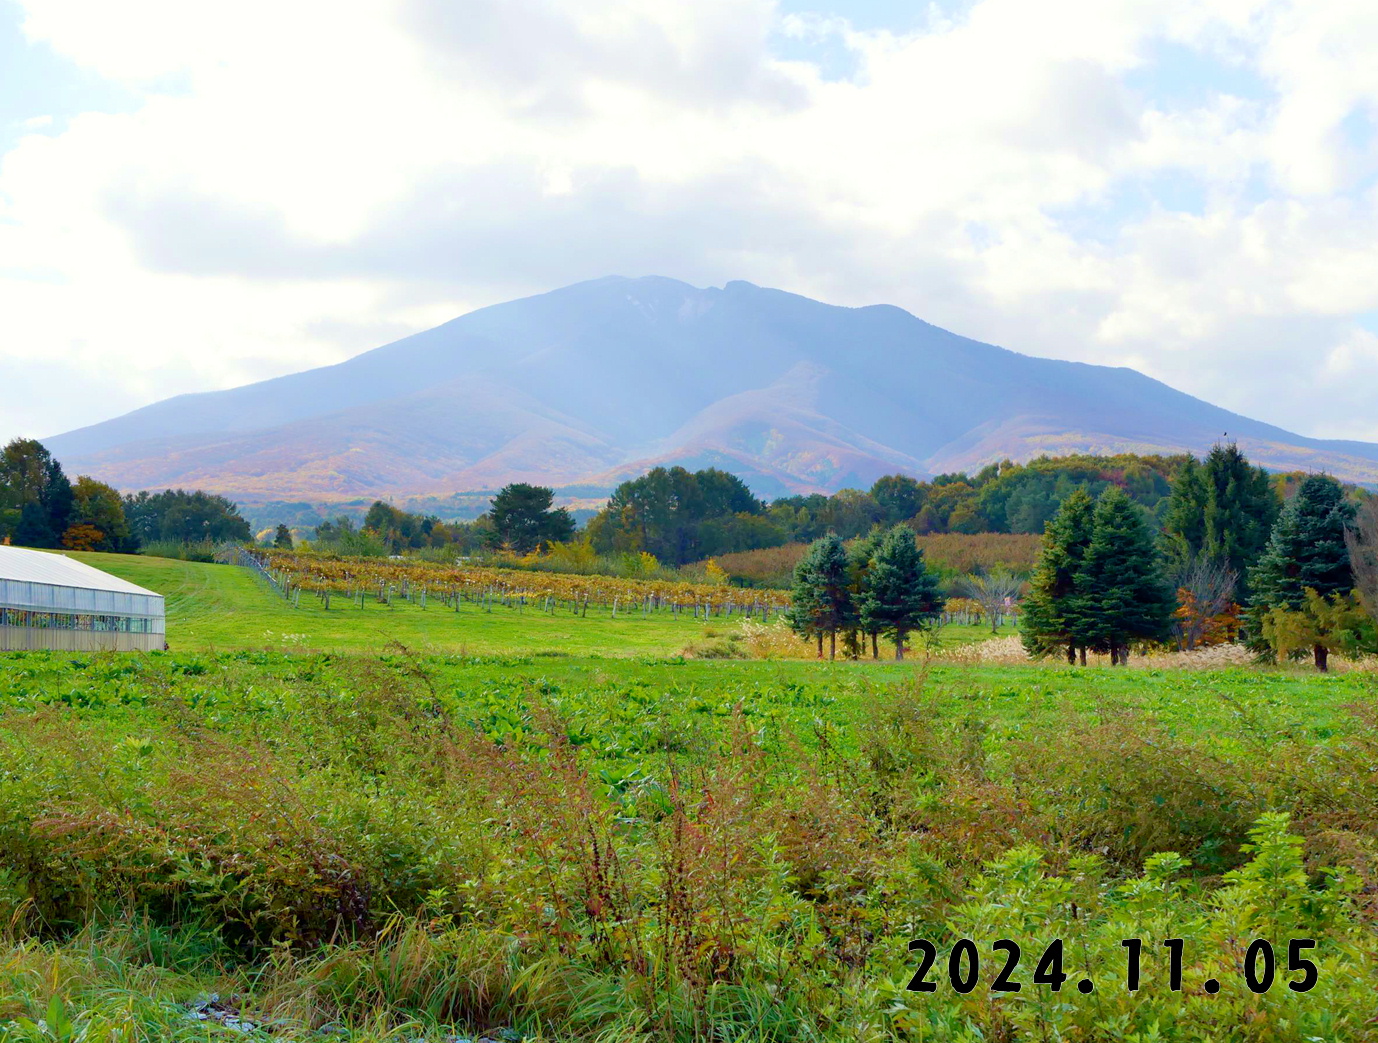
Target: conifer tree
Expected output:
[1184,522]
[1048,608]
[901,595]
[1222,509]
[1306,552]
[1121,594]
[860,556]
[821,603]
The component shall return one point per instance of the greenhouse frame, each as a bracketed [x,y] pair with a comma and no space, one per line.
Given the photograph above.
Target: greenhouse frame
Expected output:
[50,601]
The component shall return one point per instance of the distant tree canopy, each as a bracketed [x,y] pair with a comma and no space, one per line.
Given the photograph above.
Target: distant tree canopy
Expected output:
[390,530]
[181,516]
[679,517]
[523,518]
[1004,497]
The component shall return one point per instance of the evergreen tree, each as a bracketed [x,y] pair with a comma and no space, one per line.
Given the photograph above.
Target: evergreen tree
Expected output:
[56,499]
[805,611]
[1306,552]
[282,537]
[1223,509]
[859,558]
[523,518]
[1184,521]
[821,603]
[33,529]
[901,595]
[1046,622]
[1121,593]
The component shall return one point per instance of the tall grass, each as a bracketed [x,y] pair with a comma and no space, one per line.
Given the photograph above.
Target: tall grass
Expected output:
[183,550]
[353,842]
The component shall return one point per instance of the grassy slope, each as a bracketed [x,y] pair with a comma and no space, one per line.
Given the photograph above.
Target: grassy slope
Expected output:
[224,606]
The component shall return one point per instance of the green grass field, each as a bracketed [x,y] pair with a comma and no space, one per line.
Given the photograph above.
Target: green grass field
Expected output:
[227,607]
[417,826]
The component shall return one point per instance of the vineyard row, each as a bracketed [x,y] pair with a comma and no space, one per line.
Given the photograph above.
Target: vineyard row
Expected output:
[360,580]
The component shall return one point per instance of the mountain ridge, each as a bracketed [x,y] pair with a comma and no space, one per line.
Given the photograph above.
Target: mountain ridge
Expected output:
[596,381]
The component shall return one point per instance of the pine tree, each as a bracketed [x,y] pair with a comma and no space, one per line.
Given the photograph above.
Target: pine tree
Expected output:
[1184,522]
[1121,594]
[1223,509]
[56,499]
[901,595]
[282,537]
[1306,552]
[860,556]
[821,603]
[805,612]
[1046,624]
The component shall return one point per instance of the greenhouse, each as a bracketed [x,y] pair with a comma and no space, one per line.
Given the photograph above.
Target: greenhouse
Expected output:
[54,602]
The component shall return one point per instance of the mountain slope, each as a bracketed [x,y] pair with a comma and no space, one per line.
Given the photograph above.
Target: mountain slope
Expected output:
[593,382]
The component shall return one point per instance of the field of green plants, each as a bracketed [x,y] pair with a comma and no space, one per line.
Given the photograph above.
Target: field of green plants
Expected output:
[388,845]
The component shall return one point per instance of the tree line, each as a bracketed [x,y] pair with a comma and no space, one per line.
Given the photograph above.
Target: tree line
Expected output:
[521,518]
[1222,557]
[1280,575]
[681,516]
[41,507]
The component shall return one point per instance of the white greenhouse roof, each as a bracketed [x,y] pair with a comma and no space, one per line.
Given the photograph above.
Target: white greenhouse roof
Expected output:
[58,570]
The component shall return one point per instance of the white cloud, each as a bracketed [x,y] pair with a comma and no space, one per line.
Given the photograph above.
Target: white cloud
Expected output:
[303,177]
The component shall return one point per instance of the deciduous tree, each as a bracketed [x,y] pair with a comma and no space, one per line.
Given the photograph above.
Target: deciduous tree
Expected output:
[99,506]
[1321,626]
[994,591]
[1361,540]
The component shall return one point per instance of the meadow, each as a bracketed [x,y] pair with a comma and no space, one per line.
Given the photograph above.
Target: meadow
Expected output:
[442,828]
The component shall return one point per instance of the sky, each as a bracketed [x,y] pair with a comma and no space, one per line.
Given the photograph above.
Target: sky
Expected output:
[195,196]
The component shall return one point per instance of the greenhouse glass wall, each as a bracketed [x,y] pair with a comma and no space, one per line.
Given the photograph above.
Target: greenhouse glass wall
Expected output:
[52,601]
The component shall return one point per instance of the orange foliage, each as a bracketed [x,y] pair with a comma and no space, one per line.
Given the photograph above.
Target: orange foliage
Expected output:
[82,537]
[1220,629]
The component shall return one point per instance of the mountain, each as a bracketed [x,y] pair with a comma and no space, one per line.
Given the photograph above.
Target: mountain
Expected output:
[598,381]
